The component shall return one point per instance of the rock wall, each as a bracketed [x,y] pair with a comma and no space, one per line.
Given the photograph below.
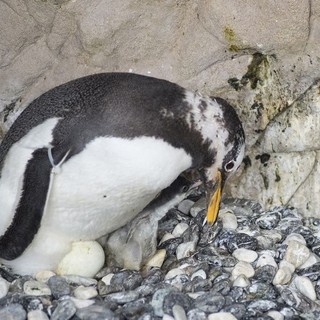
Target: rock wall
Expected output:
[262,56]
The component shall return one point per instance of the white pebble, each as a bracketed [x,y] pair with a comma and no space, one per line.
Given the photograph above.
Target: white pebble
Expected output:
[86,258]
[295,236]
[185,249]
[166,236]
[242,281]
[276,315]
[85,293]
[296,253]
[286,264]
[266,259]
[305,286]
[245,255]
[221,316]
[244,268]
[283,276]
[179,313]
[107,279]
[36,288]
[157,259]
[311,261]
[43,276]
[179,229]
[199,273]
[4,287]
[273,235]
[173,273]
[229,220]
[37,315]
[79,303]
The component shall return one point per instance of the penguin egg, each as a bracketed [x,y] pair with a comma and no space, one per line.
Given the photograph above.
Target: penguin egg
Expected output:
[85,259]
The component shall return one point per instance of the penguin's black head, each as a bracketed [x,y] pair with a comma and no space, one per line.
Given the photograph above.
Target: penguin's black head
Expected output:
[228,145]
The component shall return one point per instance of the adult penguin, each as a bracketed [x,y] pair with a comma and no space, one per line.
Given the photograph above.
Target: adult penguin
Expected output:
[86,157]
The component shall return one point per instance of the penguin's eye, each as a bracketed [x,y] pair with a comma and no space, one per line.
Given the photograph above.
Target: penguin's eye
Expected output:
[229,166]
[185,189]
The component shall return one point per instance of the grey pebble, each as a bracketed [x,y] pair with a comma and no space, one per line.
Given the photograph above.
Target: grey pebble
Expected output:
[210,302]
[64,311]
[177,298]
[312,272]
[185,206]
[158,299]
[196,314]
[13,311]
[265,273]
[123,297]
[59,286]
[96,312]
[238,310]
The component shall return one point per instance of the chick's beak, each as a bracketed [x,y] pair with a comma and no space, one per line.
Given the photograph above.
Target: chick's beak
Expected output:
[214,190]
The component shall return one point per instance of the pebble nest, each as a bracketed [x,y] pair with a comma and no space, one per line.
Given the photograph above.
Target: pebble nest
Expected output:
[252,264]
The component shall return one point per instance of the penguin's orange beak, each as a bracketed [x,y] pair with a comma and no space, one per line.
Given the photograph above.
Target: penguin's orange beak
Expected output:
[214,196]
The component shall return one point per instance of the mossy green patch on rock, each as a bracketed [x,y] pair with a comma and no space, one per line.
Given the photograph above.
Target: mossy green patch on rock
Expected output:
[258,70]
[231,38]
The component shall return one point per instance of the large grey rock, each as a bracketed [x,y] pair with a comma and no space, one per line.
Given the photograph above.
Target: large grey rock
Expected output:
[263,25]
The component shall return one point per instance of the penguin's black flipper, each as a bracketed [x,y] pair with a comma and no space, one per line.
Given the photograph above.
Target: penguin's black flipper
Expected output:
[28,214]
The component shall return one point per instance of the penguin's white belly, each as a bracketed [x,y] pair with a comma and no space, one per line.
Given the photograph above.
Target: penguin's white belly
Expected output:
[108,183]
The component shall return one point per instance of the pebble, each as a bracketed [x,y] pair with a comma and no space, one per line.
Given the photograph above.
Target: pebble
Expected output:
[157,300]
[107,279]
[4,287]
[166,236]
[245,255]
[199,273]
[43,276]
[96,312]
[196,314]
[241,281]
[313,259]
[13,311]
[276,315]
[65,310]
[123,297]
[221,316]
[185,206]
[210,302]
[295,236]
[36,288]
[80,280]
[311,272]
[296,253]
[59,286]
[179,229]
[185,249]
[157,259]
[80,303]
[284,273]
[173,273]
[242,268]
[37,315]
[85,293]
[229,220]
[266,258]
[305,286]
